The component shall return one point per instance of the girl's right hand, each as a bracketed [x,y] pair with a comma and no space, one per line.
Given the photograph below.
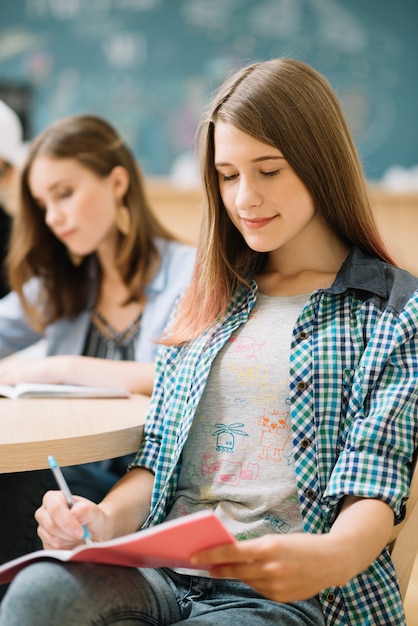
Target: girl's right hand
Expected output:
[61,528]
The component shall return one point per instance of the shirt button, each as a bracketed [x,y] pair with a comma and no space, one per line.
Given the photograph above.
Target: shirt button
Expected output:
[310,494]
[302,385]
[305,443]
[303,334]
[330,597]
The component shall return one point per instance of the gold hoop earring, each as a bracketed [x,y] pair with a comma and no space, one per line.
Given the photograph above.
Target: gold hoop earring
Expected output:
[76,259]
[123,219]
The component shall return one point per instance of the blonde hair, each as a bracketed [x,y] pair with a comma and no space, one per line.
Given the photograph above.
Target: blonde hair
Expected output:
[289,105]
[36,252]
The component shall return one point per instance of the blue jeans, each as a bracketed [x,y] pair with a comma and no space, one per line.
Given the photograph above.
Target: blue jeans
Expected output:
[78,594]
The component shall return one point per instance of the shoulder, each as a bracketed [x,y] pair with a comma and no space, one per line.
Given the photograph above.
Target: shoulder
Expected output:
[10,304]
[402,285]
[175,268]
[371,277]
[176,257]
[171,250]
[401,289]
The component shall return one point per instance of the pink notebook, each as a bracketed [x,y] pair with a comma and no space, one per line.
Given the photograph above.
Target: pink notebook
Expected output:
[170,544]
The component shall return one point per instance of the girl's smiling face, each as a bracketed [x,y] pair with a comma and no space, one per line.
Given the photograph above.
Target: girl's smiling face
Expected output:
[80,207]
[264,198]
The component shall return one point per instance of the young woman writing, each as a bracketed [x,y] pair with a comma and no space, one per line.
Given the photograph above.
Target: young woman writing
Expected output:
[285,395]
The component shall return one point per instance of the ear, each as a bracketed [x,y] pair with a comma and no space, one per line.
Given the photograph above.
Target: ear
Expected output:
[119,177]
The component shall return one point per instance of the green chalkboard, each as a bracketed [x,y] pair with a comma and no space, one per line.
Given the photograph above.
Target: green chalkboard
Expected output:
[149,66]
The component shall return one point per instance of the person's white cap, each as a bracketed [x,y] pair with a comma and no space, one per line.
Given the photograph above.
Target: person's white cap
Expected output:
[12,148]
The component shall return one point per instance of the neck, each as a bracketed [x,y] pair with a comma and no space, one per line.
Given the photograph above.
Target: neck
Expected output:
[302,269]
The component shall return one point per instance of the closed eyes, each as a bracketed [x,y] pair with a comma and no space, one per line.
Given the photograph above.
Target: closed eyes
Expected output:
[229,177]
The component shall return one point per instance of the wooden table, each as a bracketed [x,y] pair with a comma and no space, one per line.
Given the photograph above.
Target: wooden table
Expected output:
[73,430]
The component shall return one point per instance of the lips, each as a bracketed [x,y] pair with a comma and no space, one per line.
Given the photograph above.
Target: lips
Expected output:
[258,222]
[65,235]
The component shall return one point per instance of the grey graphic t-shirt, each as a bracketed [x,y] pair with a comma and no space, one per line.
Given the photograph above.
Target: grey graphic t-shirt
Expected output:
[238,457]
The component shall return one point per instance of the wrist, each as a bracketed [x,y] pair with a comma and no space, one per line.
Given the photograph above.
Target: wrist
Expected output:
[109,530]
[62,368]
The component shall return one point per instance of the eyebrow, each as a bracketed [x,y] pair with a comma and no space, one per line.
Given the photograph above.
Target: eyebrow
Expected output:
[57,183]
[54,185]
[50,189]
[257,160]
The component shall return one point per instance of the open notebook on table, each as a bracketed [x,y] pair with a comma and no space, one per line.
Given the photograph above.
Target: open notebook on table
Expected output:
[41,390]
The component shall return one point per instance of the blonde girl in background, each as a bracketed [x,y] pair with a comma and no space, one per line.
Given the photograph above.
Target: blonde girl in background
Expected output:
[94,275]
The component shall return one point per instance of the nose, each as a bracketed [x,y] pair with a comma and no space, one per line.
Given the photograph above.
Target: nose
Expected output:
[247,194]
[53,215]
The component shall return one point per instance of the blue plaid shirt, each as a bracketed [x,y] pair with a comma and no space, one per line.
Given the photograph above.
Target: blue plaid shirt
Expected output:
[354,410]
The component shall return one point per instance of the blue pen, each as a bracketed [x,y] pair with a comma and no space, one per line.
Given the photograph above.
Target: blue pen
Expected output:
[62,484]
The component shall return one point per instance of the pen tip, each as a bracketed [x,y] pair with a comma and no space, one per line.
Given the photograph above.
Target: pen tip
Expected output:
[51,461]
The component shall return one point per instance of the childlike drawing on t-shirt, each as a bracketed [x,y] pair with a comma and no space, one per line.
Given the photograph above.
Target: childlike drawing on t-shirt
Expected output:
[245,345]
[226,471]
[225,436]
[274,436]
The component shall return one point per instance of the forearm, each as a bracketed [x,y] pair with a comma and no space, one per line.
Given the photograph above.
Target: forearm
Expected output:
[127,504]
[81,370]
[360,532]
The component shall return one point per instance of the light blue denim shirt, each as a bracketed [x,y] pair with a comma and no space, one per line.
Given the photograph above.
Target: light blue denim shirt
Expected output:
[67,336]
[354,408]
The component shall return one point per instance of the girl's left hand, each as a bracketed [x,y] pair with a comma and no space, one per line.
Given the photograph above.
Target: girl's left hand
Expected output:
[287,568]
[282,568]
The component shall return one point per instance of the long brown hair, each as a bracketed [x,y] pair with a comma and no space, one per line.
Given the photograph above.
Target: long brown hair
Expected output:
[289,105]
[35,252]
